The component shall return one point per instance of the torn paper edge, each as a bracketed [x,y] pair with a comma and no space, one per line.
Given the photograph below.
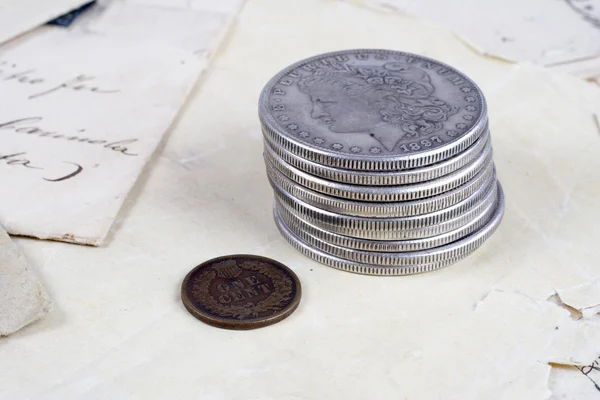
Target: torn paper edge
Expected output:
[32,297]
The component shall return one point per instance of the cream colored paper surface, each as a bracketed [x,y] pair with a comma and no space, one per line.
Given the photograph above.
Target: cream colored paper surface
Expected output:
[196,28]
[489,327]
[80,115]
[23,299]
[20,16]
[83,110]
[563,34]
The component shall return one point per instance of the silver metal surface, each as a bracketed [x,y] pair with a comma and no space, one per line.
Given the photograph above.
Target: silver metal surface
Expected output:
[381,161]
[429,256]
[390,228]
[381,229]
[415,262]
[372,110]
[370,178]
[383,193]
[297,225]
[481,181]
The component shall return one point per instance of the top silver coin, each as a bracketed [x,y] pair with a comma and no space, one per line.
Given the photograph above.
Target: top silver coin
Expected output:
[372,110]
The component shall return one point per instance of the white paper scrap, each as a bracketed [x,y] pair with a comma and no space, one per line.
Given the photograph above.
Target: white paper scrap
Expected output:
[22,296]
[584,298]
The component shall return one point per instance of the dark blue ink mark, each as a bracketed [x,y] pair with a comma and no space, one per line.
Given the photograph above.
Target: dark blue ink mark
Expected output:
[68,18]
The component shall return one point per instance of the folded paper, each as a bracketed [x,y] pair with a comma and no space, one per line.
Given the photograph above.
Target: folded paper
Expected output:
[20,16]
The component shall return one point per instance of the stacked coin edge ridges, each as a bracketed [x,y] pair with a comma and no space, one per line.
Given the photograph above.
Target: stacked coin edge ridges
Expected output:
[382,209]
[390,246]
[388,228]
[413,209]
[389,178]
[383,193]
[367,269]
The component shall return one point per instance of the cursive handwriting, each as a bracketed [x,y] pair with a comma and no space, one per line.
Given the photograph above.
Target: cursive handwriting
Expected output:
[588,369]
[12,159]
[586,9]
[30,126]
[76,84]
[81,83]
[20,159]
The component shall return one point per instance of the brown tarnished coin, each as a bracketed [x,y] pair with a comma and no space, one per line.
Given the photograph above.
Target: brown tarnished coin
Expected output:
[241,292]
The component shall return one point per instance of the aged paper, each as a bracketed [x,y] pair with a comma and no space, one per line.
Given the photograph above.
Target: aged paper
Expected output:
[564,34]
[575,382]
[196,27]
[485,328]
[78,133]
[20,16]
[22,296]
[584,298]
[80,115]
[221,6]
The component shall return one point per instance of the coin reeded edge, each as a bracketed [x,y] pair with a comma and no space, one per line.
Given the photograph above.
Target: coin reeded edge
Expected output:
[370,229]
[407,258]
[383,246]
[382,209]
[384,193]
[385,178]
[302,207]
[478,238]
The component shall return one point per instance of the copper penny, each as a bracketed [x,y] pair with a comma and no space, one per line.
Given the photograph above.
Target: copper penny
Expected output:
[241,292]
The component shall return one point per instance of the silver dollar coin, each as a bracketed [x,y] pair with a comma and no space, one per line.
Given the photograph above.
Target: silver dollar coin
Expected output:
[383,193]
[382,228]
[372,110]
[424,261]
[386,258]
[299,226]
[483,180]
[389,178]
[326,218]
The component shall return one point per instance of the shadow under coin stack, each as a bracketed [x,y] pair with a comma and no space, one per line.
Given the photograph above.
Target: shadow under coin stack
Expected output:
[380,161]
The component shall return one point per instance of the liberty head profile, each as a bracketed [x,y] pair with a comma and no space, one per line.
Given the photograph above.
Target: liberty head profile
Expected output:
[390,102]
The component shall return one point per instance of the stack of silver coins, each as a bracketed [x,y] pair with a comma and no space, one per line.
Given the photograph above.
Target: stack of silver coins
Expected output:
[380,161]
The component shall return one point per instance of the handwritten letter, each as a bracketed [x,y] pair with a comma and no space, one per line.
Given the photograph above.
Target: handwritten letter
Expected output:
[80,115]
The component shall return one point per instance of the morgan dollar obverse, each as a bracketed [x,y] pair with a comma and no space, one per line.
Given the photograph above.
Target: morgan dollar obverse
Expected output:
[377,110]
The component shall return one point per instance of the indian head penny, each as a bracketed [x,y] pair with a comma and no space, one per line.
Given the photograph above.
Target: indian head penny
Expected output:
[241,292]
